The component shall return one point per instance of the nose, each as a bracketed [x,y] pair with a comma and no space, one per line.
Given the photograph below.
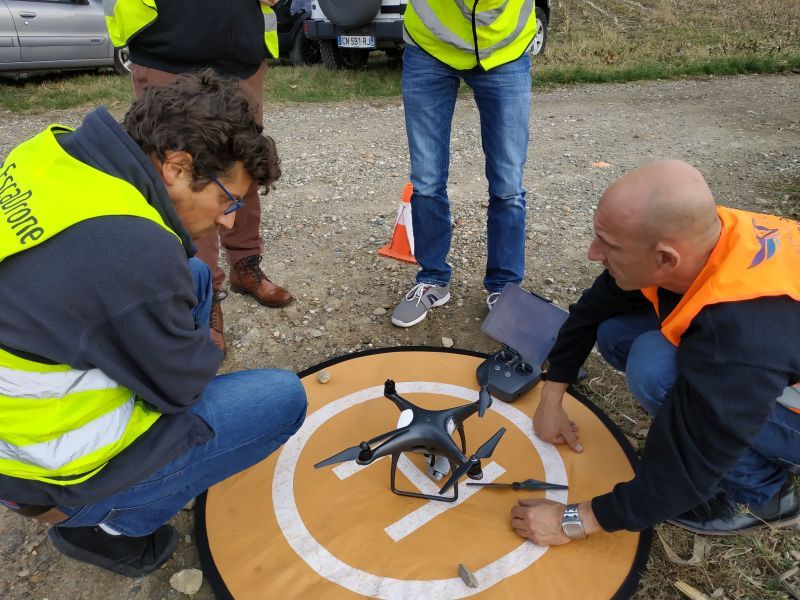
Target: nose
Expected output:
[595,253]
[227,220]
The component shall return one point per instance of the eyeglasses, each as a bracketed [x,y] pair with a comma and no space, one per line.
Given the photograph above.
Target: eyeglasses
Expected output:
[236,202]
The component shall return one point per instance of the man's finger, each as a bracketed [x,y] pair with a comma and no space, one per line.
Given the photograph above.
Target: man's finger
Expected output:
[572,440]
[530,502]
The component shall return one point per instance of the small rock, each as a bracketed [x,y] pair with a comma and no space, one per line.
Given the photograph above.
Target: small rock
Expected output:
[189,505]
[447,342]
[549,281]
[315,333]
[24,573]
[643,432]
[467,577]
[323,377]
[379,312]
[187,581]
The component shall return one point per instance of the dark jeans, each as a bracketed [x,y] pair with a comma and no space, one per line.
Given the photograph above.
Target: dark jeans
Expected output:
[634,344]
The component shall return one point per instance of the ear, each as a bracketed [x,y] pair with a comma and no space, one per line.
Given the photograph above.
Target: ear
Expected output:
[667,258]
[176,165]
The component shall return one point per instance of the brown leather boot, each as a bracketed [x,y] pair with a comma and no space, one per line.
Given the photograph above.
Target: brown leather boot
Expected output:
[215,325]
[248,278]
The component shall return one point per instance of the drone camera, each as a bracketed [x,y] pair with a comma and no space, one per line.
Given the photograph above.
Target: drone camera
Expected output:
[389,387]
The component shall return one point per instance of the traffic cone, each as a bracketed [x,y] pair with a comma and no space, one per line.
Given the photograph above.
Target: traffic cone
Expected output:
[402,245]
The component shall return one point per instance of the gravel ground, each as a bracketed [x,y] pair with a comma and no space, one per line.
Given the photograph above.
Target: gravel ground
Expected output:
[344,168]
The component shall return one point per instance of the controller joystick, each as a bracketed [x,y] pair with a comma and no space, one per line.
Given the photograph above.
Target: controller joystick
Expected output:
[504,356]
[524,369]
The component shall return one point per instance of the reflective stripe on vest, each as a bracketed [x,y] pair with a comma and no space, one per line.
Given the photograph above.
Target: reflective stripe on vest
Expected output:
[61,425]
[502,32]
[270,30]
[126,18]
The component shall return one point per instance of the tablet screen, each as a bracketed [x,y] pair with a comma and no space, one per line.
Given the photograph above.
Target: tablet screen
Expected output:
[525,322]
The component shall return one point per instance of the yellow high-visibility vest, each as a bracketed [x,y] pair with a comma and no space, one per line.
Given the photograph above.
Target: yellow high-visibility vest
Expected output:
[126,18]
[61,425]
[467,33]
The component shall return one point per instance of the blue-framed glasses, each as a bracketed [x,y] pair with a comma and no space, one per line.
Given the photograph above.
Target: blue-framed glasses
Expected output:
[236,202]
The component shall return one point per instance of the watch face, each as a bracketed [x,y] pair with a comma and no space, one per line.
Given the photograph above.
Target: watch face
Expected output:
[573,530]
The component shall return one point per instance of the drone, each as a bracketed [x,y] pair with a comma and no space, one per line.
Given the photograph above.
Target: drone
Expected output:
[428,432]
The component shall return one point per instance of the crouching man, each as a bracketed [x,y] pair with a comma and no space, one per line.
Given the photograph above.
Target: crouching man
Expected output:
[113,416]
[700,306]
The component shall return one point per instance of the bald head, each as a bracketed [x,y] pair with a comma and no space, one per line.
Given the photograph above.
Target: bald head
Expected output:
[664,211]
[664,200]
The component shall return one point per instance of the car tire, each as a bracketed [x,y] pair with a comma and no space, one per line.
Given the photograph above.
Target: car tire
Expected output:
[303,51]
[334,57]
[540,39]
[122,61]
[394,55]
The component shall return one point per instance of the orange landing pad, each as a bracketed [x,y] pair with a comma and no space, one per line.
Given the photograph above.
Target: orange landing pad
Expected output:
[283,529]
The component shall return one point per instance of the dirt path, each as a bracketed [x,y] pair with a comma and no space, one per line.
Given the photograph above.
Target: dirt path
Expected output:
[344,168]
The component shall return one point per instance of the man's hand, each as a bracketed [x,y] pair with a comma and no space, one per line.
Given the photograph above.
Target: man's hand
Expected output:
[269,2]
[550,421]
[539,520]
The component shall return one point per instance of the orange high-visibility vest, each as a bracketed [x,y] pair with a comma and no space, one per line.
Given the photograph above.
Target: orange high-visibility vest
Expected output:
[757,256]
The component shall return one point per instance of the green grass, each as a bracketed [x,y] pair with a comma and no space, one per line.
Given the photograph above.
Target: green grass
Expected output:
[597,42]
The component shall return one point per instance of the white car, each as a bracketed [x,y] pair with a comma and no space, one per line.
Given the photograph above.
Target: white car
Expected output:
[55,35]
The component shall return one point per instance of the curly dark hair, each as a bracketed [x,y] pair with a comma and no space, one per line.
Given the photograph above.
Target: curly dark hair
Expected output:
[207,116]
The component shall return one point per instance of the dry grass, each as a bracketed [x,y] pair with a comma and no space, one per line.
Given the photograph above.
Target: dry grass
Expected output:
[607,35]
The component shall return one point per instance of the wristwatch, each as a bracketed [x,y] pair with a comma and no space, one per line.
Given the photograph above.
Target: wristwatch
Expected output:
[571,523]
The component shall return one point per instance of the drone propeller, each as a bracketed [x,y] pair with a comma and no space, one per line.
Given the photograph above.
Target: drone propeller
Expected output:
[484,399]
[356,451]
[485,451]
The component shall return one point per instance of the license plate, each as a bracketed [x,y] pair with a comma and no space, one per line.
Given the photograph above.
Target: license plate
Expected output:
[356,41]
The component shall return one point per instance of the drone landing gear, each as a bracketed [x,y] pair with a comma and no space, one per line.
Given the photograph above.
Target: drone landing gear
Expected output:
[453,498]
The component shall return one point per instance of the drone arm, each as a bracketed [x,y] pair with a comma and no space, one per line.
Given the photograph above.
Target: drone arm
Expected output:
[462,413]
[391,446]
[460,429]
[390,391]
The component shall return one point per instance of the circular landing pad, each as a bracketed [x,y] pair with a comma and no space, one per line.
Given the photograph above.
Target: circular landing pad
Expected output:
[283,529]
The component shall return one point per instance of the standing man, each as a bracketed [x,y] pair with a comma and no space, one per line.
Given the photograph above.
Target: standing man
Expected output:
[700,306]
[111,413]
[484,43]
[234,37]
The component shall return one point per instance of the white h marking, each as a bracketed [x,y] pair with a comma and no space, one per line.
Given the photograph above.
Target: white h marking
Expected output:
[433,508]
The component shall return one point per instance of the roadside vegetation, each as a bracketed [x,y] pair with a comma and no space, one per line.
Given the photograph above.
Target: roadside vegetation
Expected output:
[589,41]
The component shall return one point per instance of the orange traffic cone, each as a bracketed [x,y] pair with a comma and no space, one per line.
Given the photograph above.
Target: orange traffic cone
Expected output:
[402,245]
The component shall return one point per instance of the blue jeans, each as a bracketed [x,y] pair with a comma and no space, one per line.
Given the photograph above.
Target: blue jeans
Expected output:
[503,96]
[634,344]
[252,413]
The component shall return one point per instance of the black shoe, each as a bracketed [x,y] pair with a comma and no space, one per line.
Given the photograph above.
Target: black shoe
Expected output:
[128,556]
[719,516]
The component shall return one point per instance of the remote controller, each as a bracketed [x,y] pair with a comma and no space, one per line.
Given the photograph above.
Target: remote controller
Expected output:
[509,375]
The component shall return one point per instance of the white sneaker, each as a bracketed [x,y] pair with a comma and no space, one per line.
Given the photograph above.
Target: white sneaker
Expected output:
[416,303]
[491,299]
